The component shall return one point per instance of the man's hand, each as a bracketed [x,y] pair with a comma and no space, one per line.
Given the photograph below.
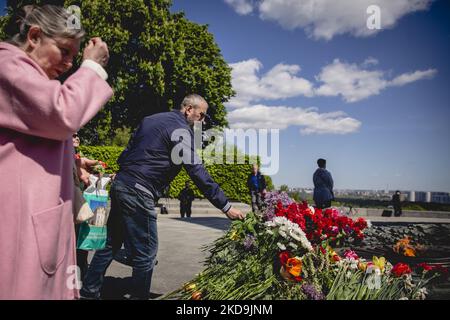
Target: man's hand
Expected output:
[234,214]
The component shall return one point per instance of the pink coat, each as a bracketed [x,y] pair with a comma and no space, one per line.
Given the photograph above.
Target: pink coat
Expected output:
[37,119]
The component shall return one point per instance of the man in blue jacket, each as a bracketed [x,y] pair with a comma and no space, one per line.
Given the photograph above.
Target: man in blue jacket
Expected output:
[160,147]
[323,185]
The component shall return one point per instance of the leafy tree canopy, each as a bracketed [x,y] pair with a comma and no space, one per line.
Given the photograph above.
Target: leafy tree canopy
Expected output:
[156,58]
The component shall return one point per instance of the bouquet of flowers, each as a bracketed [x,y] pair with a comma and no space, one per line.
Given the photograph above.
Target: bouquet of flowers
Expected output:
[287,253]
[99,168]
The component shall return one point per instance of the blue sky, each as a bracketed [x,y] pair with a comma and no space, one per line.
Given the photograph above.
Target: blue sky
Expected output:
[395,132]
[374,103]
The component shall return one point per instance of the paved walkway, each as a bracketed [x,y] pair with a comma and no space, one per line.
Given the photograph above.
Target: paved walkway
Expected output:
[180,256]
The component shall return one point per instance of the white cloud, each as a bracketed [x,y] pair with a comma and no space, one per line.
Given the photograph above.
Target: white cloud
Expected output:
[354,82]
[370,61]
[351,81]
[280,82]
[242,7]
[413,76]
[324,19]
[280,117]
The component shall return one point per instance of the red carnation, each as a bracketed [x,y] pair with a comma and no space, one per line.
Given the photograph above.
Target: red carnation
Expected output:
[361,223]
[284,256]
[425,266]
[400,269]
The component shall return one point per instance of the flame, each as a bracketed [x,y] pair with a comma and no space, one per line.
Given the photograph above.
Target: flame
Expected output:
[404,247]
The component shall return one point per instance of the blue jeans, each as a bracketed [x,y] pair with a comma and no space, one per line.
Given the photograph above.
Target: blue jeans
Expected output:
[132,220]
[256,200]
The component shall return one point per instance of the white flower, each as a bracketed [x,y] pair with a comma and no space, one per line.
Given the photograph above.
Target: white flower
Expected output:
[421,294]
[270,224]
[288,229]
[369,224]
[349,274]
[312,209]
[353,263]
[281,246]
[279,221]
[282,233]
[269,232]
[295,235]
[408,282]
[293,245]
[403,298]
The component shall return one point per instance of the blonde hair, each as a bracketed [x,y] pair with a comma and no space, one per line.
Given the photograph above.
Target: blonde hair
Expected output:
[52,20]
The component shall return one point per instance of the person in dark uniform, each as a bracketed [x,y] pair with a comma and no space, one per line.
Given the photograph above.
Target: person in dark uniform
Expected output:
[186,197]
[397,204]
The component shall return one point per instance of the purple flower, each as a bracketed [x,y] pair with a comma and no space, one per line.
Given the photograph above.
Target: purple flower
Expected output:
[271,200]
[312,293]
[268,216]
[249,242]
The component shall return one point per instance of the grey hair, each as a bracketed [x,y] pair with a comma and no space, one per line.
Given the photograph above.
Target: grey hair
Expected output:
[52,20]
[192,100]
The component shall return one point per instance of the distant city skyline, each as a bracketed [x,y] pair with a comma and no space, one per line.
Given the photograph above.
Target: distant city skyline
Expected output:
[362,190]
[442,197]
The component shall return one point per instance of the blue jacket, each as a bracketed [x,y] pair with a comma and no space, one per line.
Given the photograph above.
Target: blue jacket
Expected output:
[261,182]
[147,160]
[323,186]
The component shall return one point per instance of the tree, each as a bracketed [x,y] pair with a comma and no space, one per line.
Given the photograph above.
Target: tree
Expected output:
[269,183]
[122,136]
[156,58]
[284,188]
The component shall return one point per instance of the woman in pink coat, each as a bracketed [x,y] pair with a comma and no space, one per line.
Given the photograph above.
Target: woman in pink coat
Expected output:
[38,115]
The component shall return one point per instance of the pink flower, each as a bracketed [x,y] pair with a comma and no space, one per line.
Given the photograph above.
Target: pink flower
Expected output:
[350,254]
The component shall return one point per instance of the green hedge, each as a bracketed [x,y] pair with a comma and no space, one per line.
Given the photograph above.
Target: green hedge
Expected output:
[232,178]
